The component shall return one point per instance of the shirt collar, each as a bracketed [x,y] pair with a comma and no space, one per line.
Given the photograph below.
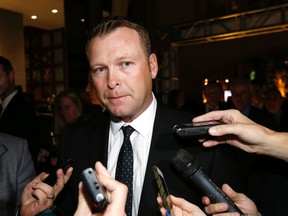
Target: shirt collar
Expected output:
[141,123]
[6,101]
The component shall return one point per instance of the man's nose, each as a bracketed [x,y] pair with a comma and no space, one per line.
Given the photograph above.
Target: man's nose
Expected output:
[113,79]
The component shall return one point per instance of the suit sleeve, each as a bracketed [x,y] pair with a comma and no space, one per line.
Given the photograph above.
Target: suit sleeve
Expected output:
[26,171]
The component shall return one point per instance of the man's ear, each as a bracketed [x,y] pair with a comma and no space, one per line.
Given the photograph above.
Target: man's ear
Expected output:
[11,75]
[153,65]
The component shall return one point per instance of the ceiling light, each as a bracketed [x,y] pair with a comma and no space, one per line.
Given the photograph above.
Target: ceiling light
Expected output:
[54,11]
[33,17]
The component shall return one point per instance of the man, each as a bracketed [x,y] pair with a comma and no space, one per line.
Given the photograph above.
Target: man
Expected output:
[213,93]
[273,103]
[122,69]
[241,98]
[18,116]
[16,168]
[257,94]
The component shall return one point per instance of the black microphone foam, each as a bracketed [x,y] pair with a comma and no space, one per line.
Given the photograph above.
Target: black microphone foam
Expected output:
[190,169]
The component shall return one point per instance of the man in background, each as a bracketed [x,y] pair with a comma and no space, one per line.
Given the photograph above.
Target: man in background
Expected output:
[268,176]
[273,103]
[241,91]
[16,170]
[17,116]
[214,95]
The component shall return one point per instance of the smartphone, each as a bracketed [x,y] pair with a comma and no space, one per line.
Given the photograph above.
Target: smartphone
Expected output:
[94,190]
[162,188]
[195,129]
[51,179]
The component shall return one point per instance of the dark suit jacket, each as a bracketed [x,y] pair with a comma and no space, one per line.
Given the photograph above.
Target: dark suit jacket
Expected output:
[16,170]
[263,117]
[20,119]
[201,108]
[88,144]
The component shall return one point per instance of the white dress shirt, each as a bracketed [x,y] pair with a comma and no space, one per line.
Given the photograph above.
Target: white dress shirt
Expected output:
[141,141]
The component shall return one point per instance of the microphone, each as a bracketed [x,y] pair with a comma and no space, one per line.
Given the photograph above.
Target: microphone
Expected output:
[191,170]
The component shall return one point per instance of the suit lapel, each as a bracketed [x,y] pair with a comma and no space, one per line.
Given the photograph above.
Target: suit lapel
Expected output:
[160,146]
[98,142]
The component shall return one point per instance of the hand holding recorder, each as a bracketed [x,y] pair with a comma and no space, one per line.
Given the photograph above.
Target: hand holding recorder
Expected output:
[245,134]
[116,194]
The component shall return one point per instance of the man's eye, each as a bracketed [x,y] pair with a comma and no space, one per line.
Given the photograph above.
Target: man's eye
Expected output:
[98,70]
[126,64]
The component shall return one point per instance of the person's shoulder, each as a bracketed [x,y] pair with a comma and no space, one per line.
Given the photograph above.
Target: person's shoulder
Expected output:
[12,142]
[257,111]
[263,117]
[9,137]
[18,97]
[223,106]
[94,123]
[173,115]
[20,102]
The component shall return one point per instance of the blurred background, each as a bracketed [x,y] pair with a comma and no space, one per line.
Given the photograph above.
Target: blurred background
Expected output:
[195,41]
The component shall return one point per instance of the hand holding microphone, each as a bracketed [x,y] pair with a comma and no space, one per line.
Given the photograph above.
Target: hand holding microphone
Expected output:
[191,170]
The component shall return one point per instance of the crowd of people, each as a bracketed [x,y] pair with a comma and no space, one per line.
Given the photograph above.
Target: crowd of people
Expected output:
[122,70]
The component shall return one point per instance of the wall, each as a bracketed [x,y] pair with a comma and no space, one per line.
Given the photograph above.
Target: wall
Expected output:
[12,43]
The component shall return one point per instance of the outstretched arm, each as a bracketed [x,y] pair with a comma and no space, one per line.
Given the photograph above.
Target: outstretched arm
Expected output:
[245,134]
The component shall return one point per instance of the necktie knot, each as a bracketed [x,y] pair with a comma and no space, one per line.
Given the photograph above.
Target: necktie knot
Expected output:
[127,131]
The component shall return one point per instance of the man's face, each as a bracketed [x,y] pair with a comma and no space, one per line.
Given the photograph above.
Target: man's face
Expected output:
[273,102]
[68,110]
[121,73]
[213,95]
[6,83]
[241,96]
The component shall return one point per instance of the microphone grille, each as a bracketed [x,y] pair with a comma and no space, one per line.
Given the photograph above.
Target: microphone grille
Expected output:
[185,163]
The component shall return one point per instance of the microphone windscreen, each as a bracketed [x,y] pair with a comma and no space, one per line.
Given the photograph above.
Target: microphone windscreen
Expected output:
[185,163]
